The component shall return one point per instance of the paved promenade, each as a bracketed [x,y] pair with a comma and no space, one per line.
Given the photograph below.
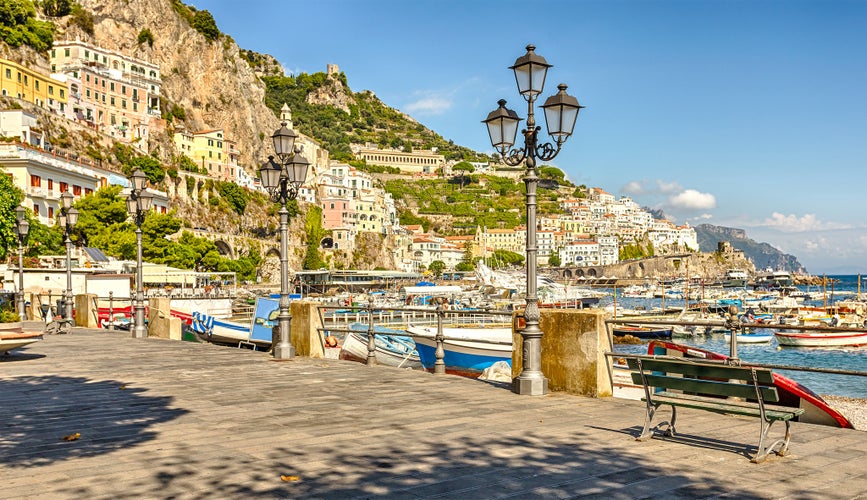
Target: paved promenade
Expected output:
[164,419]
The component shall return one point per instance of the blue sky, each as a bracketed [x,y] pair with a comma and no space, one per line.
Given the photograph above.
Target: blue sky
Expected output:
[748,114]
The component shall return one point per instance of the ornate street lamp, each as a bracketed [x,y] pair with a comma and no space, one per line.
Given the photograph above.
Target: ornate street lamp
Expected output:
[138,203]
[561,111]
[283,182]
[22,227]
[68,219]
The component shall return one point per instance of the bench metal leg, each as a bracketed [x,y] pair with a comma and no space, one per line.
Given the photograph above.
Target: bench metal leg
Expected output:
[763,452]
[648,430]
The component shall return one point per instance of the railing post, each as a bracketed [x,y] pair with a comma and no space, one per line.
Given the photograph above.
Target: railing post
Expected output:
[110,310]
[371,337]
[440,354]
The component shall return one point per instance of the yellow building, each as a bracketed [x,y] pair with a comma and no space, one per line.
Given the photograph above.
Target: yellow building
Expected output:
[28,85]
[210,151]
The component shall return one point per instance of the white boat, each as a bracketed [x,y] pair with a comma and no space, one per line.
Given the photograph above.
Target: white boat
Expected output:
[14,340]
[391,350]
[468,351]
[822,339]
[751,338]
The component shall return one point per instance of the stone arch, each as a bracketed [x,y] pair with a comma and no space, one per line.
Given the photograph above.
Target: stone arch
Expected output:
[224,249]
[273,252]
[592,273]
[567,273]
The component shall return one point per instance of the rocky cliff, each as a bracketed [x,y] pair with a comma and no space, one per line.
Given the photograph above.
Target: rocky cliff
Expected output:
[762,255]
[214,85]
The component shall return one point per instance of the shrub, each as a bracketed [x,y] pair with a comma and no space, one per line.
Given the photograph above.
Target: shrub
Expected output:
[145,36]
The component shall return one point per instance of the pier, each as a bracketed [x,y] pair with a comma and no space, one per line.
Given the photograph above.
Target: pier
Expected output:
[154,418]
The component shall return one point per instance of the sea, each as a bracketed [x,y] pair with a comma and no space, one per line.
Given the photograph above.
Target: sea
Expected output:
[848,358]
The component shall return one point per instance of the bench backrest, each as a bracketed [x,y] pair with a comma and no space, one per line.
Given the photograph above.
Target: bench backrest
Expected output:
[704,378]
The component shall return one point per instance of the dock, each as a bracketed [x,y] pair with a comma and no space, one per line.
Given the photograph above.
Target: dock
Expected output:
[98,414]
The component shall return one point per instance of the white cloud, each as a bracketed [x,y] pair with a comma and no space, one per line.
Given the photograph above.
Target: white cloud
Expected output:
[633,188]
[668,187]
[691,199]
[429,105]
[794,224]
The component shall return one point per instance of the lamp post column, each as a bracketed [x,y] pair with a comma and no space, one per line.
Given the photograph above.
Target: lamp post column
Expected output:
[22,307]
[67,299]
[531,381]
[139,330]
[284,350]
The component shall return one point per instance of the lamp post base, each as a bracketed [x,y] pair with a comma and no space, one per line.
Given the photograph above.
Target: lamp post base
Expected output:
[534,384]
[139,332]
[284,352]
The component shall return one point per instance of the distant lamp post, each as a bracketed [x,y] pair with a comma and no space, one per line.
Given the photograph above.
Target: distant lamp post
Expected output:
[138,203]
[561,111]
[68,219]
[22,227]
[283,182]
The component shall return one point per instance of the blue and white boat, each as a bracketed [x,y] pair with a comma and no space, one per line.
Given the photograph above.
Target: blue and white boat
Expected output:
[222,331]
[392,348]
[468,351]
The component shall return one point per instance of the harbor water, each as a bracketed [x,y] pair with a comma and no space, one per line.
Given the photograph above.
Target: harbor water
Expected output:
[841,358]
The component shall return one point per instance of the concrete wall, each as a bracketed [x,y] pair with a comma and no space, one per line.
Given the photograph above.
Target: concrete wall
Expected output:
[85,311]
[161,323]
[303,331]
[573,347]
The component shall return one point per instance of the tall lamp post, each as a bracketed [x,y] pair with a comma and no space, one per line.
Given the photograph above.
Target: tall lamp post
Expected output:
[68,219]
[561,111]
[22,227]
[283,182]
[138,203]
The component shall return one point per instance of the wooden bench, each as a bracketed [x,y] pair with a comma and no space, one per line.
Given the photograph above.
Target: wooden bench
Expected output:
[711,386]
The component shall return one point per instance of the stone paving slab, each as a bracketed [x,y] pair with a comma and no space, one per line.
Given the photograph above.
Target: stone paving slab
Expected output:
[164,419]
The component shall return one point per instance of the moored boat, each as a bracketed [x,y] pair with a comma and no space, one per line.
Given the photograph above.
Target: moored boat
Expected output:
[642,332]
[821,339]
[751,338]
[791,393]
[467,351]
[14,340]
[392,349]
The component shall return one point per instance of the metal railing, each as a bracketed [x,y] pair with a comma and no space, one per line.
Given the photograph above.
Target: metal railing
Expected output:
[438,315]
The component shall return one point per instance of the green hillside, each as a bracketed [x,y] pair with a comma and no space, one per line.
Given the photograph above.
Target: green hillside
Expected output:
[368,120]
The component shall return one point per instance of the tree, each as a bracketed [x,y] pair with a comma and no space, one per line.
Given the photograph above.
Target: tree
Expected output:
[56,8]
[235,196]
[552,173]
[149,165]
[464,168]
[204,23]
[10,198]
[554,260]
[437,267]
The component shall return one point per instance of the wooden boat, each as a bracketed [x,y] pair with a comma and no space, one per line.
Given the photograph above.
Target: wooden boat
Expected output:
[642,332]
[821,339]
[791,393]
[467,351]
[391,349]
[750,338]
[14,340]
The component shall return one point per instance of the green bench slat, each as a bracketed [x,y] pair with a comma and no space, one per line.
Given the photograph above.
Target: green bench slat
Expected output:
[723,406]
[730,402]
[694,369]
[702,386]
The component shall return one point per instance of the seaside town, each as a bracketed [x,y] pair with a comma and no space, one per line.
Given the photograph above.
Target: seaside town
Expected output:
[178,252]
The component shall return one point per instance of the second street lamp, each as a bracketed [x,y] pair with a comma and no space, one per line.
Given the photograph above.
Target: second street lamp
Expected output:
[68,219]
[22,227]
[138,203]
[283,182]
[561,111]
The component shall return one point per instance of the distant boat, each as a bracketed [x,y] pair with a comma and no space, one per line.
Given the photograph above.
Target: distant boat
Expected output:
[642,332]
[751,338]
[821,339]
[467,351]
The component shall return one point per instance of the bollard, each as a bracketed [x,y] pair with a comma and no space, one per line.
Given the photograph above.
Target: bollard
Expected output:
[371,338]
[440,364]
[110,310]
